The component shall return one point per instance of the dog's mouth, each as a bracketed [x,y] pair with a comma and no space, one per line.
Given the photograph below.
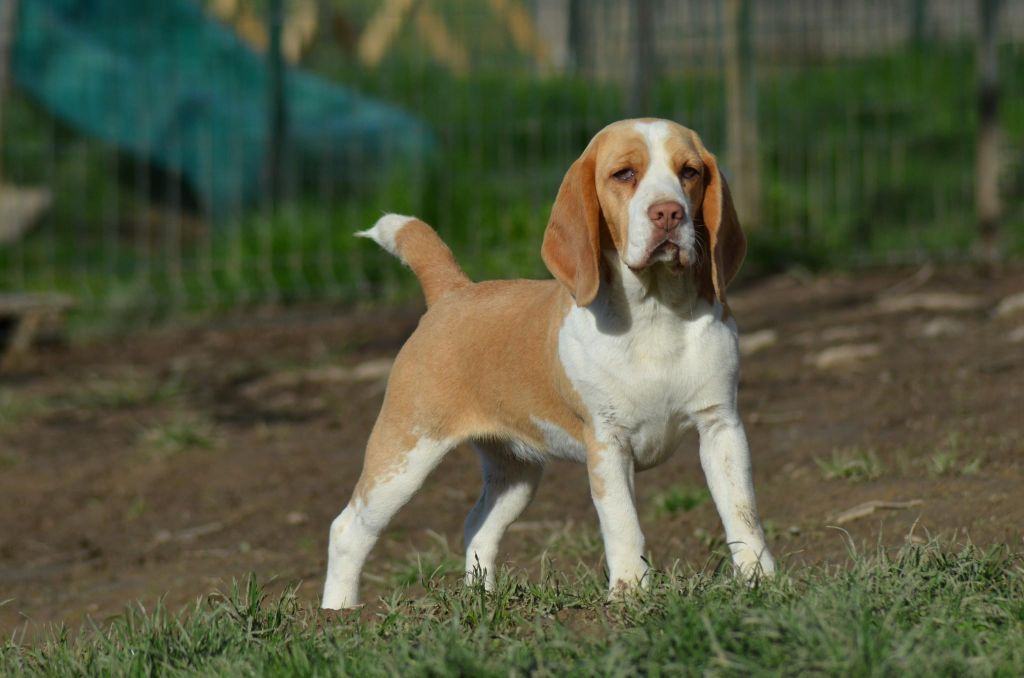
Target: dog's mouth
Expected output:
[668,253]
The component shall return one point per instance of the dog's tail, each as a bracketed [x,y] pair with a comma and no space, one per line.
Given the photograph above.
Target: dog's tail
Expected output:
[419,247]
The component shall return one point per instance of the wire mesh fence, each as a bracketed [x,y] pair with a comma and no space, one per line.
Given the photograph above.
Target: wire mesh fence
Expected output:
[850,129]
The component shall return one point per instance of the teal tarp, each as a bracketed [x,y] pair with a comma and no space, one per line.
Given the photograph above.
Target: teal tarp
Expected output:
[163,82]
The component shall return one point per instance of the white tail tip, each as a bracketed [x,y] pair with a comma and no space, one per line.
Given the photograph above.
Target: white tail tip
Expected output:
[385,231]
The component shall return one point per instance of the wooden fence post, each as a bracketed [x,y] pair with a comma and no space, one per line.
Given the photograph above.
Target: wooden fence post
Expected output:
[644,62]
[277,120]
[580,42]
[987,161]
[8,16]
[741,110]
[919,23]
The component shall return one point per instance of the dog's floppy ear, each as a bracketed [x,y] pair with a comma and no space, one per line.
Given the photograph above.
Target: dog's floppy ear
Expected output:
[572,241]
[726,244]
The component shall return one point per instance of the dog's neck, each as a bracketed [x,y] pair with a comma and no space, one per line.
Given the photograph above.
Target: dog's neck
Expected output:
[674,288]
[627,296]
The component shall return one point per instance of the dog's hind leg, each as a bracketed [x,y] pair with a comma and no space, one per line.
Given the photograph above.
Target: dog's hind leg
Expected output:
[509,485]
[388,481]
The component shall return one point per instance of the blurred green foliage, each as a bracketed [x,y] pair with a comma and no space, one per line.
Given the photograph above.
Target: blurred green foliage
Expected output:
[867,161]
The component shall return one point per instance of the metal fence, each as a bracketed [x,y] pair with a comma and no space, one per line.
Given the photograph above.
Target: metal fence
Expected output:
[851,129]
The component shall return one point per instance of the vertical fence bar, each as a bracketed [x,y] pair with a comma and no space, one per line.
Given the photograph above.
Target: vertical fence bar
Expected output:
[579,45]
[8,15]
[741,109]
[919,23]
[644,65]
[987,151]
[277,120]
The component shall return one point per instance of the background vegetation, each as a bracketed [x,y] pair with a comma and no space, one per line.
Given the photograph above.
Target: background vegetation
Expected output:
[864,161]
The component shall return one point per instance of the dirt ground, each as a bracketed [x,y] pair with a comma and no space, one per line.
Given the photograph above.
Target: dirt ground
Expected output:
[168,463]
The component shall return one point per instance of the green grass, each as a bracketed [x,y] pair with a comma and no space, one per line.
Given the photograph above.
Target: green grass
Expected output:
[183,432]
[854,464]
[947,460]
[93,394]
[863,160]
[121,392]
[430,564]
[681,498]
[922,611]
[16,408]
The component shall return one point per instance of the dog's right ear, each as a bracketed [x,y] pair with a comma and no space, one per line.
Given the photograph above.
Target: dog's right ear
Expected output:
[572,241]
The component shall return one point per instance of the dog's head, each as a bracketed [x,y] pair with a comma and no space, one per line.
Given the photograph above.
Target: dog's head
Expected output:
[650,189]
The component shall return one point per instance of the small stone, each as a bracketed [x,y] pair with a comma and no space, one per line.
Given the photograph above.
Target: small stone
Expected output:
[373,370]
[930,301]
[942,327]
[1010,305]
[296,518]
[844,355]
[1017,335]
[369,371]
[757,341]
[846,333]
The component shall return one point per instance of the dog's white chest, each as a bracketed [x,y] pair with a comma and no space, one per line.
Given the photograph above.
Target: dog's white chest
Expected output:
[643,376]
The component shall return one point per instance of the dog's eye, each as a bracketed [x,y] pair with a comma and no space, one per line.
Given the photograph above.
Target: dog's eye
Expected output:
[627,174]
[689,173]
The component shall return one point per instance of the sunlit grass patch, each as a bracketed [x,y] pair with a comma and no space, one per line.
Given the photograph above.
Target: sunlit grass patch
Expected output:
[681,499]
[922,610]
[972,467]
[853,463]
[948,459]
[122,391]
[426,565]
[17,408]
[570,543]
[185,431]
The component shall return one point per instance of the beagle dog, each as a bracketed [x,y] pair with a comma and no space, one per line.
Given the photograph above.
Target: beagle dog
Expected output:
[609,364]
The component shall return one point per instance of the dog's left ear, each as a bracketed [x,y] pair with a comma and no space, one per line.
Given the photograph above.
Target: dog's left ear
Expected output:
[572,241]
[726,243]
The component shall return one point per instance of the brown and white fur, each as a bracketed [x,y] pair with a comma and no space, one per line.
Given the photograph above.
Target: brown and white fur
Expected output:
[608,365]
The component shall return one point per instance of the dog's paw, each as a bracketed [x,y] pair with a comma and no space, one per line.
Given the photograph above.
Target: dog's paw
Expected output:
[340,605]
[623,586]
[340,596]
[753,565]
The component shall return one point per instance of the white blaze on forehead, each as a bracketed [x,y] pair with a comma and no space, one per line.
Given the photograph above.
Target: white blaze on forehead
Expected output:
[659,184]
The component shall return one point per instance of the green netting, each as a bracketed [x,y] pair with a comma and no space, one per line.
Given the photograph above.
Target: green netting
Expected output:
[163,82]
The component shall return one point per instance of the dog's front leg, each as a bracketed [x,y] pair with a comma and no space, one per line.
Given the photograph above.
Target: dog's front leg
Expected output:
[611,470]
[725,456]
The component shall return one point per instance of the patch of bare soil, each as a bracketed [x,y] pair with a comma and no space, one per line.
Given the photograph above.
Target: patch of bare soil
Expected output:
[167,463]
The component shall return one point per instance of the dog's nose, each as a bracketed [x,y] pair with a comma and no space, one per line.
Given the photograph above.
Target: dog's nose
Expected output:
[665,215]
